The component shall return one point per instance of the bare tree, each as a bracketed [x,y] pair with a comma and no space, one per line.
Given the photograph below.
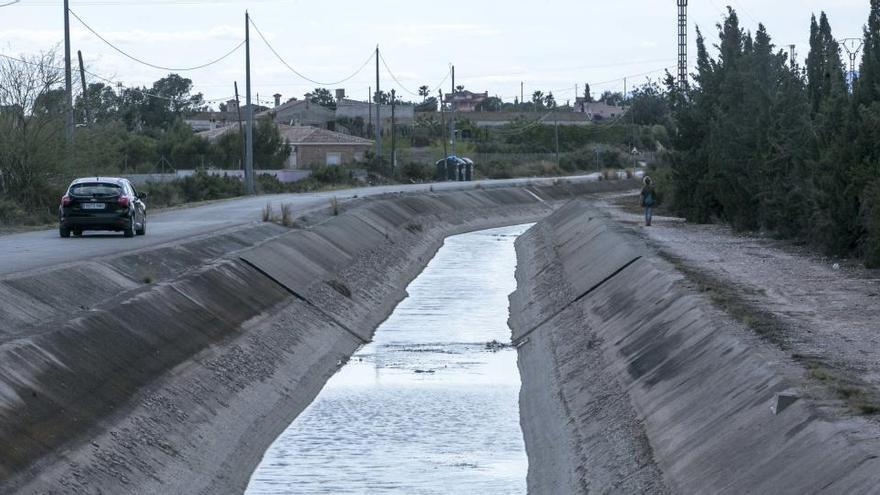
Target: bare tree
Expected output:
[31,110]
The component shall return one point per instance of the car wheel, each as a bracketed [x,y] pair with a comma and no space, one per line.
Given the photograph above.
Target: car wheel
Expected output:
[64,232]
[77,233]
[129,229]
[143,229]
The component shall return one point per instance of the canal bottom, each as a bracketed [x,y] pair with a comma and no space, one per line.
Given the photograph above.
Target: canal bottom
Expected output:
[431,405]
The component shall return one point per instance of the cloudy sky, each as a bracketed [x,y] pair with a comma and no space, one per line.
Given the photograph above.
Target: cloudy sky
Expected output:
[550,45]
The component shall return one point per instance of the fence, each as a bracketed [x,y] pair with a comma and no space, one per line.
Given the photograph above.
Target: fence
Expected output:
[284,175]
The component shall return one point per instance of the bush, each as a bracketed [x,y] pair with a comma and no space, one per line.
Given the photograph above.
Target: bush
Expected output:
[416,172]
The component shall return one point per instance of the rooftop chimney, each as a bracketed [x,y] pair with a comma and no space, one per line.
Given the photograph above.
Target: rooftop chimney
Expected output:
[277,99]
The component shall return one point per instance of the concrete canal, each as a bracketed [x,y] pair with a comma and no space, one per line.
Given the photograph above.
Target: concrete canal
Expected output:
[431,405]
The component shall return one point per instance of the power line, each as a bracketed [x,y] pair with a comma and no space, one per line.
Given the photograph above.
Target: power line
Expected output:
[320,83]
[106,79]
[391,73]
[148,64]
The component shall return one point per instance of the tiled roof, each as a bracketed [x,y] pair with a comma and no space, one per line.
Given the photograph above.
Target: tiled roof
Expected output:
[296,135]
[313,135]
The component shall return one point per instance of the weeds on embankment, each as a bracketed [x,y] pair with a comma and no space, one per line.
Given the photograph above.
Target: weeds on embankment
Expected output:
[286,218]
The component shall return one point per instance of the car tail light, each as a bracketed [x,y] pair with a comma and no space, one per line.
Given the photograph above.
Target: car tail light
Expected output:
[123,201]
[65,200]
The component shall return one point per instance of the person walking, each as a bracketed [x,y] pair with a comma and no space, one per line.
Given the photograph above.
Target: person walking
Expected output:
[648,199]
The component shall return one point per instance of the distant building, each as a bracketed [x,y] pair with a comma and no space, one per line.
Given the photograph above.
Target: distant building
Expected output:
[312,145]
[597,111]
[500,119]
[205,121]
[404,114]
[465,101]
[299,112]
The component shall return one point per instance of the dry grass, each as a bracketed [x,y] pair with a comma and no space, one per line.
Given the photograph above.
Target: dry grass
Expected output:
[287,215]
[268,214]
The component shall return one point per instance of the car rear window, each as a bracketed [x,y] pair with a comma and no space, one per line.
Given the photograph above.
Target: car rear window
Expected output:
[96,189]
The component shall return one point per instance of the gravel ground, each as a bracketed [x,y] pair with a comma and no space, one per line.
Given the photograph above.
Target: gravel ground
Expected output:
[827,317]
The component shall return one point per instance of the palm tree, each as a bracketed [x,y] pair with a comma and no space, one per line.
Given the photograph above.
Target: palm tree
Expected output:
[538,99]
[424,92]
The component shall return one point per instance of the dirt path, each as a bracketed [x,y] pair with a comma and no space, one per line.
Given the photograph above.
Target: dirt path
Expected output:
[827,318]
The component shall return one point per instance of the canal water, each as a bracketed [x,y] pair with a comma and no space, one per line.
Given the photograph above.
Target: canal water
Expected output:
[431,405]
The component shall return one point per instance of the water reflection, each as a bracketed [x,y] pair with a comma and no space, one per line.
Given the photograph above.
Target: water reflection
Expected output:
[427,407]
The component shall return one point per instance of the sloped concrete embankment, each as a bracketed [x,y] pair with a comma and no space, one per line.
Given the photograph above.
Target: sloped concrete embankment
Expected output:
[171,370]
[630,387]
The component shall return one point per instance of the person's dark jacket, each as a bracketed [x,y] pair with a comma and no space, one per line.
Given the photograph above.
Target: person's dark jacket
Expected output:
[649,197]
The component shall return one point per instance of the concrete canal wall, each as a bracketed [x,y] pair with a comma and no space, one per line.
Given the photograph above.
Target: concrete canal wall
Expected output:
[171,370]
[631,385]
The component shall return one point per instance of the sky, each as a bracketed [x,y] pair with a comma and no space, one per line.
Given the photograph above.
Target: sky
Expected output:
[552,45]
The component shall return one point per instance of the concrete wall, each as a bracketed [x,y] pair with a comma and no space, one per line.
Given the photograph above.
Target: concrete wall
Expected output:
[171,370]
[631,384]
[307,155]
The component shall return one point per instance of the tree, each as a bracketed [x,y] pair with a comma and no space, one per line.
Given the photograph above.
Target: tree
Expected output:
[611,98]
[538,99]
[649,105]
[869,70]
[424,92]
[588,96]
[323,97]
[550,100]
[459,88]
[31,123]
[491,104]
[382,98]
[428,105]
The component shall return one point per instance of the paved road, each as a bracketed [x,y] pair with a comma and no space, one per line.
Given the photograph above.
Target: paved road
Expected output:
[32,250]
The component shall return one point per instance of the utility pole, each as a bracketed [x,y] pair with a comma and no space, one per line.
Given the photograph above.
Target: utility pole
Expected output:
[452,114]
[82,75]
[393,134]
[369,129]
[522,93]
[240,129]
[68,83]
[378,112]
[556,130]
[682,45]
[852,46]
[443,126]
[249,143]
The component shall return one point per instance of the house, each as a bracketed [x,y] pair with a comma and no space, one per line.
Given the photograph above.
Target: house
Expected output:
[314,146]
[465,101]
[597,110]
[404,114]
[311,145]
[299,112]
[500,119]
[206,121]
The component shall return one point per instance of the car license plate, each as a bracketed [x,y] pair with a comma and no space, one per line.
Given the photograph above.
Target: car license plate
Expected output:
[92,206]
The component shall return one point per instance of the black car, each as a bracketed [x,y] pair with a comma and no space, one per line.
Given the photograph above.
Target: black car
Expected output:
[102,203]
